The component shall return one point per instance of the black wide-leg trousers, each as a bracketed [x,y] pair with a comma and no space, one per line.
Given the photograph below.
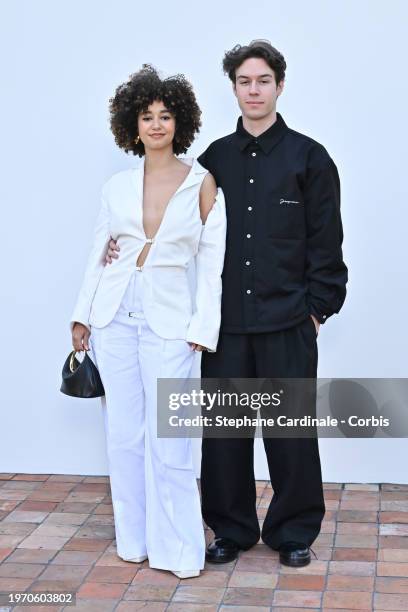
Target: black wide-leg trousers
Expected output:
[227,468]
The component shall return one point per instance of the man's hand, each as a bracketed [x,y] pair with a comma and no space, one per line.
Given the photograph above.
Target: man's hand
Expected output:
[197,347]
[112,251]
[80,337]
[317,324]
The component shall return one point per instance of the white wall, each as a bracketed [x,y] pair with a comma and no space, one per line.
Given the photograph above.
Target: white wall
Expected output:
[346,87]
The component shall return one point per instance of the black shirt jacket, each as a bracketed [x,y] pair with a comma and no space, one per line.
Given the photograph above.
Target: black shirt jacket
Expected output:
[283,257]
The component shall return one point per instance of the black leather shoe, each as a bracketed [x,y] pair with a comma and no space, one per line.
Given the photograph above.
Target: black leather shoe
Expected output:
[294,554]
[221,550]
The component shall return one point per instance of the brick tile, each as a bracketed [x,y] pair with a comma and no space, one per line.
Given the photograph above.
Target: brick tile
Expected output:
[356,541]
[399,555]
[252,579]
[314,568]
[86,544]
[257,564]
[185,607]
[356,600]
[4,476]
[10,528]
[385,568]
[32,477]
[395,506]
[20,570]
[301,582]
[46,529]
[393,517]
[106,532]
[336,582]
[393,542]
[360,504]
[65,478]
[26,555]
[146,575]
[352,568]
[356,516]
[44,495]
[8,505]
[112,574]
[152,606]
[92,487]
[238,609]
[197,595]
[41,506]
[73,557]
[75,573]
[391,585]
[395,495]
[111,559]
[398,529]
[5,552]
[95,605]
[7,494]
[99,590]
[14,584]
[104,509]
[390,601]
[13,485]
[361,487]
[10,540]
[206,578]
[43,541]
[150,592]
[26,516]
[357,528]
[248,596]
[354,554]
[85,496]
[307,599]
[76,507]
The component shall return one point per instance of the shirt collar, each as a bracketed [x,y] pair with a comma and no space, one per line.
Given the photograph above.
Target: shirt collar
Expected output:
[266,141]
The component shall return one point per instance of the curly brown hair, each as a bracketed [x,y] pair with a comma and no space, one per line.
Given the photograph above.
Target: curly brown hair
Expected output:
[256,48]
[142,89]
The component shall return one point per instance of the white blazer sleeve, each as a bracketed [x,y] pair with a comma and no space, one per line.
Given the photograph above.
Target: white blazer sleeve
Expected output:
[94,266]
[205,323]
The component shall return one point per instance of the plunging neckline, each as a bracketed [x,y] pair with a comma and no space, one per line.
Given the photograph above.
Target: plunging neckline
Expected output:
[151,241]
[168,202]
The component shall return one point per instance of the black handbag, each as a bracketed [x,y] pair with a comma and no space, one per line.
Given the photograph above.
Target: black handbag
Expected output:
[81,378]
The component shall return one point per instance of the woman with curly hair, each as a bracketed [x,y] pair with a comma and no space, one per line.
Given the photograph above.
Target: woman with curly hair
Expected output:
[142,321]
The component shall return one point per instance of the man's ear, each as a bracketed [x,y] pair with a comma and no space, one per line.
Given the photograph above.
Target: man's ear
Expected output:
[234,89]
[280,87]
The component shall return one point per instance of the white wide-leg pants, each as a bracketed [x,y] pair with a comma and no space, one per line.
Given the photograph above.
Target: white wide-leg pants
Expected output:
[155,498]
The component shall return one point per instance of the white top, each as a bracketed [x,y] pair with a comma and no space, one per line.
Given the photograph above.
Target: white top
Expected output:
[168,303]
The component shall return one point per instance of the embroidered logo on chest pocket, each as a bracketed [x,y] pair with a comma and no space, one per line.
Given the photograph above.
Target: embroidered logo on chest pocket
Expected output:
[283,201]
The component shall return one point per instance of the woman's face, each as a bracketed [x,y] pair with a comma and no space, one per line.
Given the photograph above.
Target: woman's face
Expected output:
[156,126]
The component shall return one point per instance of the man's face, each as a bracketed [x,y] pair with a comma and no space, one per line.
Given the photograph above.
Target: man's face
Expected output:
[255,88]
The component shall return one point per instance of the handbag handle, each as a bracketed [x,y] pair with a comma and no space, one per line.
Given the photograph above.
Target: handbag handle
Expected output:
[71,361]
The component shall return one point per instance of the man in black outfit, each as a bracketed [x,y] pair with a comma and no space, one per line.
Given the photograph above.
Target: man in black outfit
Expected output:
[283,276]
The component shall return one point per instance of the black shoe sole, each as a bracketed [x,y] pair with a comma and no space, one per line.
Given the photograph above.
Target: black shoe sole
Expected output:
[220,560]
[298,563]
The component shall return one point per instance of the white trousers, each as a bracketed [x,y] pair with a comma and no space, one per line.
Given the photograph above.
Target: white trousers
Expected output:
[155,498]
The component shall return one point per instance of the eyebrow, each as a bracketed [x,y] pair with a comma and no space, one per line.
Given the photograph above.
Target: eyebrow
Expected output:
[149,112]
[260,76]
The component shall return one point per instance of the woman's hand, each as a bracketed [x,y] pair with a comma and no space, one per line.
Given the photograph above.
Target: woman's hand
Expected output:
[80,337]
[112,248]
[197,347]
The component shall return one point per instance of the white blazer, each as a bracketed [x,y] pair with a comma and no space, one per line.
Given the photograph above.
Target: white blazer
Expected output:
[169,308]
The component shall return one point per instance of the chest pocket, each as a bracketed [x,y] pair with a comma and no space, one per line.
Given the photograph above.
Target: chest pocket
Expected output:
[286,217]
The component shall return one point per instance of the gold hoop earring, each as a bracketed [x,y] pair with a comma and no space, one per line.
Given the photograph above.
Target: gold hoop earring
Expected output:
[137,140]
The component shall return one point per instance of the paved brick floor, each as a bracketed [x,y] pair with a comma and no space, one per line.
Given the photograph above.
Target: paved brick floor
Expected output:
[56,532]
